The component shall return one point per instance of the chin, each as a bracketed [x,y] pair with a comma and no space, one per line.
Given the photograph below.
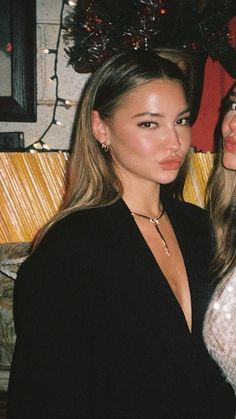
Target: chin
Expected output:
[165,180]
[229,161]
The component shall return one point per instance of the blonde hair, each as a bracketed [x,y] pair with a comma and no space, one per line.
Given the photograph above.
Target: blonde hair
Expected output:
[221,197]
[91,180]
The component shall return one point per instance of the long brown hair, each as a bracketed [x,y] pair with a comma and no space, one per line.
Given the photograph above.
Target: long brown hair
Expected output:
[221,202]
[92,181]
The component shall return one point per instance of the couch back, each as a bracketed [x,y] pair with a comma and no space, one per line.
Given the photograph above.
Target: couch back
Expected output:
[32,187]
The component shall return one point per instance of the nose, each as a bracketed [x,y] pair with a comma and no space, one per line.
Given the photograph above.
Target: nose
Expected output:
[173,141]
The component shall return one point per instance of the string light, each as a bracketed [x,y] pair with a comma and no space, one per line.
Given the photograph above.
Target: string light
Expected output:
[71,3]
[39,145]
[49,51]
[52,78]
[66,102]
[59,123]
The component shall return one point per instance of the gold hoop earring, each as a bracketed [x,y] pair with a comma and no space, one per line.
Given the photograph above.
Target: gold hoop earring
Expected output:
[105,147]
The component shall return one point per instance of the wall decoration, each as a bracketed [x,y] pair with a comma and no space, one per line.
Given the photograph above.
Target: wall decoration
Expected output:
[100,28]
[40,145]
[186,32]
[18,46]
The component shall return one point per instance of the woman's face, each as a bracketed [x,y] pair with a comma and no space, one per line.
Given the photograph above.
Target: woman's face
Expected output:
[229,134]
[149,134]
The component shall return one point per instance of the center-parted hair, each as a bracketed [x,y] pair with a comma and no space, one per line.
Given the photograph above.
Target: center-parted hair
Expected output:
[221,196]
[92,181]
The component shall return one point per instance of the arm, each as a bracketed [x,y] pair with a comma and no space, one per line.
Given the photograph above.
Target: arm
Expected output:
[50,369]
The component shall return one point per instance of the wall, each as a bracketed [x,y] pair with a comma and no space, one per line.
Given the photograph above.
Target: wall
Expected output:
[70,82]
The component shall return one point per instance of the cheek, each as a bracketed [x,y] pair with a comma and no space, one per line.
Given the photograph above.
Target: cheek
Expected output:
[136,142]
[186,140]
[229,161]
[146,147]
[225,125]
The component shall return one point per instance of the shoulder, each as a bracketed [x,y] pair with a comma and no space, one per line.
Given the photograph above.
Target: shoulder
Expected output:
[82,223]
[196,217]
[74,250]
[192,210]
[186,209]
[68,253]
[190,220]
[89,222]
[81,216]
[78,234]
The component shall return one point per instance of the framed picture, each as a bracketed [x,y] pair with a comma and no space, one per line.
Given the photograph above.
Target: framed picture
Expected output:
[18,60]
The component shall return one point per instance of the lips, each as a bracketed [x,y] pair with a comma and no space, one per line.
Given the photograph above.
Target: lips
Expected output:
[172,163]
[230,144]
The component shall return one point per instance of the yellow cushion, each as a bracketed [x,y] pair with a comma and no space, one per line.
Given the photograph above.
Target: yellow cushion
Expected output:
[32,187]
[196,181]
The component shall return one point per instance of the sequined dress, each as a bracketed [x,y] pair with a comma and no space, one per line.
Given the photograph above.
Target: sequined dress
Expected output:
[219,329]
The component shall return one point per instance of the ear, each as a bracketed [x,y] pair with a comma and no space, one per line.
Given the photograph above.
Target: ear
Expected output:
[99,128]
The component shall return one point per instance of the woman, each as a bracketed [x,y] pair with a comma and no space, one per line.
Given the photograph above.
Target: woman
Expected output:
[109,306]
[220,322]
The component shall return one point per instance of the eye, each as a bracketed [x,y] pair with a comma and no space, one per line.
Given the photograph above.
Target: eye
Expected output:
[184,121]
[230,106]
[148,124]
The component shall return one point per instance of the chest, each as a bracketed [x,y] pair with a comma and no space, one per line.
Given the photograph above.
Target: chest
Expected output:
[219,328]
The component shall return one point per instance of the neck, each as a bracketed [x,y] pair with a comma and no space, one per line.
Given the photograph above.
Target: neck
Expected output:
[147,203]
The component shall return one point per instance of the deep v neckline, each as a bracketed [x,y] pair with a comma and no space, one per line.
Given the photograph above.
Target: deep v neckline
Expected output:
[160,272]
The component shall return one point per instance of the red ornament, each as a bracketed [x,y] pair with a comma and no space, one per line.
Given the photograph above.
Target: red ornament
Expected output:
[97,20]
[8,47]
[193,45]
[87,27]
[163,11]
[133,40]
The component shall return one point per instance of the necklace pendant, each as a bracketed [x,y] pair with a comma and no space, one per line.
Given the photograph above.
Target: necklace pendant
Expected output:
[156,223]
[167,251]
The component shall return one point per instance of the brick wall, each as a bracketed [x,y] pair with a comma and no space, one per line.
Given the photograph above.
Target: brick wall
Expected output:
[70,82]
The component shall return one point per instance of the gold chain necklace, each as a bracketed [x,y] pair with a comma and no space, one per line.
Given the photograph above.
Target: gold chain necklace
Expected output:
[155,222]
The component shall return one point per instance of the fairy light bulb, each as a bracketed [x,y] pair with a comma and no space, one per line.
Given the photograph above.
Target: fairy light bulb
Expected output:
[38,145]
[58,123]
[66,102]
[52,78]
[49,51]
[71,3]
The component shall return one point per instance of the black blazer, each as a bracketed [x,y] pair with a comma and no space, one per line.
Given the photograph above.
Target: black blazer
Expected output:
[100,333]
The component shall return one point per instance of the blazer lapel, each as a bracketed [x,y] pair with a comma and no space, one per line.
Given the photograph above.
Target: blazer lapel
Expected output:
[161,303]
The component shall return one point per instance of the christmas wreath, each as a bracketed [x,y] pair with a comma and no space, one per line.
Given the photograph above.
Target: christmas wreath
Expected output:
[97,29]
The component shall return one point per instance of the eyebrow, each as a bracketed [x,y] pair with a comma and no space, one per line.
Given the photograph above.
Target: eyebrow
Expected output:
[233,95]
[188,110]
